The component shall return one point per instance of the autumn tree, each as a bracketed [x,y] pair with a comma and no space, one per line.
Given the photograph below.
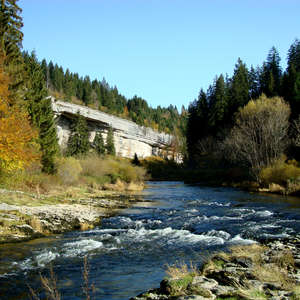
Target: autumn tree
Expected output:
[259,136]
[17,148]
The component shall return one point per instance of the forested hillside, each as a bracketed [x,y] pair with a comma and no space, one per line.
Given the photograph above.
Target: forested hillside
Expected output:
[100,95]
[217,118]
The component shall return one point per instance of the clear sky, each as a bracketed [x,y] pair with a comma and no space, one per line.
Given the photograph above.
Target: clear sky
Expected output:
[161,50]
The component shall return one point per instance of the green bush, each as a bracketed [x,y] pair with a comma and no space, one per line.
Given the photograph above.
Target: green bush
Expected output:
[69,169]
[281,172]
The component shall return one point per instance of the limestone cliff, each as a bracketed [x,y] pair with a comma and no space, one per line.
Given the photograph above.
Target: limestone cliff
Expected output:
[129,137]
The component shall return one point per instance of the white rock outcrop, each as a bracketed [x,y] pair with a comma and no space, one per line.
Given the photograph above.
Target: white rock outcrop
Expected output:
[129,138]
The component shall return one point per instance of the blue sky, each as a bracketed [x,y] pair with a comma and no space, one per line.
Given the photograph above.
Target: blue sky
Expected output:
[161,50]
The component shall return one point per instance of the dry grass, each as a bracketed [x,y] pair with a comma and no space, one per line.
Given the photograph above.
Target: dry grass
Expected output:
[49,284]
[253,252]
[111,168]
[180,270]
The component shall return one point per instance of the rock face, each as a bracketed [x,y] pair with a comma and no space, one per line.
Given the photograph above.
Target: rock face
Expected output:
[129,138]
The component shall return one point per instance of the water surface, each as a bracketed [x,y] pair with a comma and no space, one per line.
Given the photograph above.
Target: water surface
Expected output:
[128,253]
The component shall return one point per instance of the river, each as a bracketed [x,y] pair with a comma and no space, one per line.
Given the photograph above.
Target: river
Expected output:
[128,254]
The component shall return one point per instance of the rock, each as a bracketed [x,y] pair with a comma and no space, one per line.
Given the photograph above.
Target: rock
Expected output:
[204,282]
[223,290]
[245,262]
[27,229]
[129,138]
[196,297]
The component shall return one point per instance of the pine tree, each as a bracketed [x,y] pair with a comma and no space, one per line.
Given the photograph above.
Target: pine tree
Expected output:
[110,145]
[136,160]
[271,74]
[294,55]
[218,102]
[78,142]
[11,38]
[254,88]
[40,111]
[239,90]
[11,35]
[99,144]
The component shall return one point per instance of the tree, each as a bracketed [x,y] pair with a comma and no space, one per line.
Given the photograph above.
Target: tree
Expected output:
[218,102]
[11,35]
[11,38]
[271,74]
[254,88]
[294,55]
[78,142]
[40,110]
[110,145]
[259,136]
[99,144]
[239,90]
[17,147]
[136,160]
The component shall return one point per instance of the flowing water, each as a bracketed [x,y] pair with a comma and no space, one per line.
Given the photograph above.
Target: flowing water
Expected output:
[129,252]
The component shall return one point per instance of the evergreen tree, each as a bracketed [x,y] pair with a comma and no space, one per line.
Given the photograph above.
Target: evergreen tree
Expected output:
[294,56]
[110,145]
[78,142]
[254,88]
[136,160]
[40,111]
[11,38]
[239,90]
[99,144]
[271,74]
[218,103]
[11,35]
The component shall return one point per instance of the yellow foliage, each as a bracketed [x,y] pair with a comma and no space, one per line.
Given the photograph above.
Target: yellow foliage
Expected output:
[17,148]
[280,172]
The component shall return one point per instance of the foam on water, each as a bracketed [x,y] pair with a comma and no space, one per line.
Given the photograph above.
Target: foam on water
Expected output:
[240,241]
[81,247]
[264,213]
[46,257]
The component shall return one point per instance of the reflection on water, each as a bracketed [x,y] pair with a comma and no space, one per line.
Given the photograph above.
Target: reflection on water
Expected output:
[173,222]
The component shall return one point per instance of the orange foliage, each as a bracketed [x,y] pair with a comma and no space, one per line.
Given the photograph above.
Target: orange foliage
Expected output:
[17,148]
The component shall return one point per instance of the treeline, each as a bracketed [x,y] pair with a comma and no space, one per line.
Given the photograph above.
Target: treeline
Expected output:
[100,95]
[249,123]
[212,114]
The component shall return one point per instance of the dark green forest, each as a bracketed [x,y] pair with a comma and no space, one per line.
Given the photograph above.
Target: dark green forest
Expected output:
[217,112]
[212,113]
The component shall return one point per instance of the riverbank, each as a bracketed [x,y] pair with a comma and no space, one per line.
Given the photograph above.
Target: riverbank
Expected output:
[257,271]
[26,216]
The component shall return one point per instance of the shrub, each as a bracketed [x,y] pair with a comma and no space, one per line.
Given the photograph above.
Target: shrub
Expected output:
[259,136]
[69,170]
[281,172]
[111,167]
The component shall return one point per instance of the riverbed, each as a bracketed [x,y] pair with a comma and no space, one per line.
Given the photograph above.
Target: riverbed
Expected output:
[128,253]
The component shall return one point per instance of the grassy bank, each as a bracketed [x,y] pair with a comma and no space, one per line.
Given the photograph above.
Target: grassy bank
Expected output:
[81,192]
